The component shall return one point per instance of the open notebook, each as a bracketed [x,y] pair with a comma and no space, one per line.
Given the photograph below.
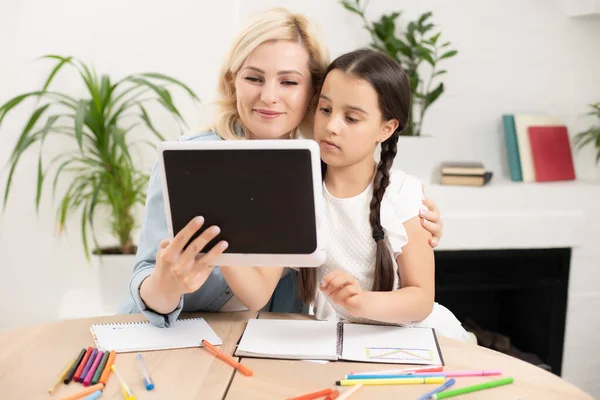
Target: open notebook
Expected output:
[330,340]
[143,336]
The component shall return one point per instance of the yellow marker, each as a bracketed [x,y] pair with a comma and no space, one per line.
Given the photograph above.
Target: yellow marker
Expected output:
[391,381]
[125,395]
[126,390]
[61,377]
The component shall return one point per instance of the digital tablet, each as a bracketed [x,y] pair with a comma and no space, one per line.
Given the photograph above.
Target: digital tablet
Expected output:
[265,195]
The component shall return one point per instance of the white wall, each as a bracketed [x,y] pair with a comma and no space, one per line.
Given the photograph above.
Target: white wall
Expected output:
[514,56]
[181,39]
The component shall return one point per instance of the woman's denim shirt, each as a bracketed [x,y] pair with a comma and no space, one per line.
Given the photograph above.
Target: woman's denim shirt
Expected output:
[215,292]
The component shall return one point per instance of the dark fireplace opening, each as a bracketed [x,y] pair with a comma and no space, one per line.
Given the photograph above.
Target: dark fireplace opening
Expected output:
[515,301]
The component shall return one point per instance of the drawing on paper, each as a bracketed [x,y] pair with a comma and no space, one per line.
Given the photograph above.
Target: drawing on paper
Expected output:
[399,354]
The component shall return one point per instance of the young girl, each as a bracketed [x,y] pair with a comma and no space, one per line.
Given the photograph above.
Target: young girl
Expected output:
[379,266]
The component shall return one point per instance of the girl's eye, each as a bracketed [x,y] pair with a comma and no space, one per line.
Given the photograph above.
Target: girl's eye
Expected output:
[324,110]
[289,83]
[351,120]
[252,79]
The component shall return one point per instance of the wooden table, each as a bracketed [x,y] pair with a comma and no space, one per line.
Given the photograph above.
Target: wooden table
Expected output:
[31,359]
[279,379]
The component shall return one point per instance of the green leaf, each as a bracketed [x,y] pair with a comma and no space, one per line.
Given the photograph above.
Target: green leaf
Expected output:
[448,54]
[61,62]
[393,16]
[105,91]
[94,201]
[23,138]
[91,81]
[149,124]
[410,34]
[401,47]
[380,31]
[84,231]
[58,172]
[425,54]
[15,101]
[117,99]
[433,40]
[172,80]
[351,8]
[40,181]
[80,115]
[445,45]
[424,29]
[440,72]
[414,81]
[8,182]
[432,96]
[424,17]
[162,93]
[582,139]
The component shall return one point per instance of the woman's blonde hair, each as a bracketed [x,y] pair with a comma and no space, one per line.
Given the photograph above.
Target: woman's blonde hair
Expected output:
[274,24]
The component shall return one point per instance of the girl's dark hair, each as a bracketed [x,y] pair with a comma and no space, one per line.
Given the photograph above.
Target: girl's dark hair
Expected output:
[393,90]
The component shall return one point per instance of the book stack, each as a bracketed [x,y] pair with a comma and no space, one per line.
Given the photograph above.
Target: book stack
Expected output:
[464,173]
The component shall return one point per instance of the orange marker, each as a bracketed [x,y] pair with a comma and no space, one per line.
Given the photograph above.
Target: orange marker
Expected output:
[89,390]
[315,395]
[243,369]
[333,395]
[106,372]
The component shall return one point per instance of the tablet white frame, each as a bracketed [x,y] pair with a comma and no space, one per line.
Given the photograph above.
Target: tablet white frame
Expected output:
[315,259]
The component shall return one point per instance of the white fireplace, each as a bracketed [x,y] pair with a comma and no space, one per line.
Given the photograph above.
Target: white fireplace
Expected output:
[510,215]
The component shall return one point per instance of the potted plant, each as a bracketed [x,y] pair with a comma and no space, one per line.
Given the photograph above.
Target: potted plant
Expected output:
[103,176]
[420,51]
[592,135]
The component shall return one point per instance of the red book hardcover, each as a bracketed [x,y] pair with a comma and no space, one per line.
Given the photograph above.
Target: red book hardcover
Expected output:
[551,153]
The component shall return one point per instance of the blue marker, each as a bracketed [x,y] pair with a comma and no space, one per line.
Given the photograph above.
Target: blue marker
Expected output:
[445,386]
[94,396]
[145,375]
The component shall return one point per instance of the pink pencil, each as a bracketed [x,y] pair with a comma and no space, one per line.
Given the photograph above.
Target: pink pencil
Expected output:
[485,372]
[90,374]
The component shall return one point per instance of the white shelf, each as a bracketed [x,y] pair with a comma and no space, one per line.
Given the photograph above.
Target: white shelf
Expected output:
[511,215]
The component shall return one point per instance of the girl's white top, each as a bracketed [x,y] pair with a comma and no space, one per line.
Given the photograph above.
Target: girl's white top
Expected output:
[351,247]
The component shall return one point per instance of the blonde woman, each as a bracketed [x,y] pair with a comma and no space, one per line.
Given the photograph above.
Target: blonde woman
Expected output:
[266,89]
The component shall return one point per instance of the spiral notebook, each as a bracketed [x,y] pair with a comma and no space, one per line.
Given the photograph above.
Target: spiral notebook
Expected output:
[143,336]
[331,340]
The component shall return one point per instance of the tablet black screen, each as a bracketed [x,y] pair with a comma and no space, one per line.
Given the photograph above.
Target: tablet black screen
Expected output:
[261,199]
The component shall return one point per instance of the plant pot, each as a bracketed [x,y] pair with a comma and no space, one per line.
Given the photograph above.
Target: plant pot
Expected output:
[417,155]
[114,272]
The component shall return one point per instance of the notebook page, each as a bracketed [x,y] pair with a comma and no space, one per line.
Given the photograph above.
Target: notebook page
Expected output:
[143,336]
[288,339]
[390,345]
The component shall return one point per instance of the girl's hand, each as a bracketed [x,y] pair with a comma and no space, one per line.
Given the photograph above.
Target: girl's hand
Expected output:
[181,271]
[431,221]
[343,289]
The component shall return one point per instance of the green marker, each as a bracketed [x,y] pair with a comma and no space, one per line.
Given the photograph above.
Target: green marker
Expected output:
[474,388]
[100,369]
